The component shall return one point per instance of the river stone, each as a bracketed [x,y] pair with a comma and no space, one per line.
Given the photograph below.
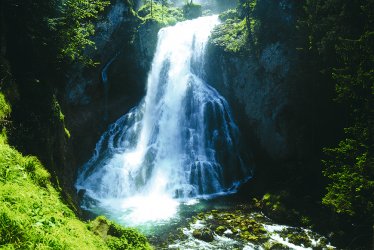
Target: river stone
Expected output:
[220,230]
[203,234]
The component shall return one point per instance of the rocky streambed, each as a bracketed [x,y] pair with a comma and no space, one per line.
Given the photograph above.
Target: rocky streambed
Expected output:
[239,228]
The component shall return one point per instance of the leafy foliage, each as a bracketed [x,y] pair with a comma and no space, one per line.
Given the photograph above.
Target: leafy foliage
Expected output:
[75,27]
[232,34]
[351,170]
[341,34]
[333,45]
[53,31]
[350,165]
[161,13]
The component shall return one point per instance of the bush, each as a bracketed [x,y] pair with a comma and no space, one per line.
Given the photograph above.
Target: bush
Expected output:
[231,36]
[162,14]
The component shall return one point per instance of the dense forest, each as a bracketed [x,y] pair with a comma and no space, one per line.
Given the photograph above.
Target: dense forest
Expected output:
[329,189]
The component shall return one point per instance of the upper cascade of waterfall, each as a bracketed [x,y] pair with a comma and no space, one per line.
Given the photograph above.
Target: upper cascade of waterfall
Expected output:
[180,142]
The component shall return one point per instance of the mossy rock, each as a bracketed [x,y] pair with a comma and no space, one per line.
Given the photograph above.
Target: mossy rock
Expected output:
[220,230]
[116,236]
[296,236]
[100,226]
[5,108]
[247,236]
[204,234]
[275,246]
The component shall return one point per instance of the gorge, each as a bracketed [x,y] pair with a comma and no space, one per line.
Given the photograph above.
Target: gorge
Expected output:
[218,124]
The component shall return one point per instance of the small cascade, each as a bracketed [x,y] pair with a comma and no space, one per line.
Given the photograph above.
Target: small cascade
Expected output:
[180,142]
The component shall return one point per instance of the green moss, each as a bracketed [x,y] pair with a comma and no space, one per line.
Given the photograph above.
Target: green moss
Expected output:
[204,234]
[67,132]
[296,236]
[220,230]
[5,108]
[58,116]
[57,113]
[245,227]
[275,246]
[116,236]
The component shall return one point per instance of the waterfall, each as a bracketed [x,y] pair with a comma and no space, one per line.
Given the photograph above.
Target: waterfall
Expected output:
[180,142]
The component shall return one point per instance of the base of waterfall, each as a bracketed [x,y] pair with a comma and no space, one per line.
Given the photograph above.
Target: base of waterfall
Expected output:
[153,208]
[223,222]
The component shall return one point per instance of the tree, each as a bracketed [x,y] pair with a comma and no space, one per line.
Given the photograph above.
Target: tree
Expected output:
[350,165]
[75,27]
[341,37]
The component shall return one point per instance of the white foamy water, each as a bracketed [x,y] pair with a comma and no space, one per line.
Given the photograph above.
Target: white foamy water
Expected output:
[179,143]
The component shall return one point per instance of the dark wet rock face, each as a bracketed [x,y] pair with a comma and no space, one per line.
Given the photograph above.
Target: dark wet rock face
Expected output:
[259,92]
[96,96]
[262,84]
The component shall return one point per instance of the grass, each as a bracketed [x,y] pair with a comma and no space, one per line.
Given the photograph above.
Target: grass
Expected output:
[33,216]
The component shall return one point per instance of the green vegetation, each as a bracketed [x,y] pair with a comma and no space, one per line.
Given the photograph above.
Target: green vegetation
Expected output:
[350,165]
[341,45]
[74,27]
[333,45]
[296,236]
[32,215]
[244,226]
[162,14]
[332,42]
[58,116]
[232,35]
[191,10]
[60,30]
[4,107]
[39,41]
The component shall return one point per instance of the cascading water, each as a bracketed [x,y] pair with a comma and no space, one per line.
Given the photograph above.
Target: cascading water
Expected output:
[180,142]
